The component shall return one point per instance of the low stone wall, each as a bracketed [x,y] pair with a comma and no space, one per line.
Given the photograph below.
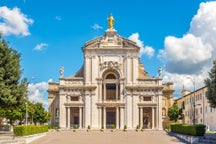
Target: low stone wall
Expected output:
[187,138]
[29,138]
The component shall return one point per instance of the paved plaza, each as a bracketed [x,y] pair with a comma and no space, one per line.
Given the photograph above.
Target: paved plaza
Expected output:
[108,137]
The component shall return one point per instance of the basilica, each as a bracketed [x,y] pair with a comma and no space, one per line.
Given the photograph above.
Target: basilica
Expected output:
[111,88]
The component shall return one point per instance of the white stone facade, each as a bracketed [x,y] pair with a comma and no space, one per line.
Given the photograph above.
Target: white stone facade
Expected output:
[111,88]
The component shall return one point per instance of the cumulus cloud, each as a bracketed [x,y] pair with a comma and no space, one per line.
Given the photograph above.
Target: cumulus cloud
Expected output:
[144,50]
[40,47]
[13,21]
[185,55]
[97,26]
[37,92]
[192,54]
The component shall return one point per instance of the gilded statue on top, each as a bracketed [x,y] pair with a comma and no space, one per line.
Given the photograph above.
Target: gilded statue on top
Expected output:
[110,22]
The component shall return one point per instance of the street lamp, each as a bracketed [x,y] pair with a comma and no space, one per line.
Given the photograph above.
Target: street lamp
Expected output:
[26,115]
[193,81]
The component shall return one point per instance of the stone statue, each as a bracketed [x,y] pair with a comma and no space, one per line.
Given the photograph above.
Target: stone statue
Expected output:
[61,71]
[160,72]
[110,21]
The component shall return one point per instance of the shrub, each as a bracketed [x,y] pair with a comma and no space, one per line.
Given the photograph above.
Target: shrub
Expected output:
[89,127]
[195,130]
[113,126]
[125,127]
[75,126]
[137,127]
[29,130]
[167,127]
[50,127]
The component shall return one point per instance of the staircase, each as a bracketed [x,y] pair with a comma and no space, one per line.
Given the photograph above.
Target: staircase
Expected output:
[207,139]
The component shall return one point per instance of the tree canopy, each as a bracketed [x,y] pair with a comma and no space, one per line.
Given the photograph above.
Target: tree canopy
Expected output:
[12,90]
[175,113]
[36,114]
[211,86]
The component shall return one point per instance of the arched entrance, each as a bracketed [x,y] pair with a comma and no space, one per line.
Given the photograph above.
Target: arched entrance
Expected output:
[110,96]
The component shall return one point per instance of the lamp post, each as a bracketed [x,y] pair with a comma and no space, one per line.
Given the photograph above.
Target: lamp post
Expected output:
[26,115]
[193,81]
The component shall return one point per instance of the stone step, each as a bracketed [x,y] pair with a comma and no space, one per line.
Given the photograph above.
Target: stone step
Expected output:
[207,141]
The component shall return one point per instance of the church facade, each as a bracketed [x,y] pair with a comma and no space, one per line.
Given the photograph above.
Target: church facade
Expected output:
[111,88]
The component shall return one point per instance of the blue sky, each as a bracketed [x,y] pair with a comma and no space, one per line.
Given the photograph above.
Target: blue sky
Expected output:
[50,34]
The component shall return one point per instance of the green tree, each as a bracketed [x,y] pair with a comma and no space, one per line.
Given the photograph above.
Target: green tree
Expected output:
[13,114]
[12,91]
[40,115]
[175,113]
[211,86]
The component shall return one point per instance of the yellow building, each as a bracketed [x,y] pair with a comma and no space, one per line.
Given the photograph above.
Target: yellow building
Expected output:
[195,106]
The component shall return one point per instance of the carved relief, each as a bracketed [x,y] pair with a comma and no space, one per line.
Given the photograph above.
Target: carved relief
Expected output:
[109,65]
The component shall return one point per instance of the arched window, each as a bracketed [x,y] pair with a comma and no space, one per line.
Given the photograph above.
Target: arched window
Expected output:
[111,85]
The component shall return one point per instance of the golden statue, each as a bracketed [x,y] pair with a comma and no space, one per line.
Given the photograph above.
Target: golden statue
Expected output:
[110,21]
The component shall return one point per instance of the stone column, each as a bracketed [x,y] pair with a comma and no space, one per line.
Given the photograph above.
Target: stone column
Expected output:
[116,91]
[104,117]
[160,112]
[87,110]
[99,117]
[104,85]
[121,90]
[122,123]
[153,118]
[135,111]
[80,118]
[128,111]
[117,118]
[128,70]
[141,117]
[62,112]
[68,117]
[99,91]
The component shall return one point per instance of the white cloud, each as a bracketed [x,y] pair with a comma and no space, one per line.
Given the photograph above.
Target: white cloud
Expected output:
[38,92]
[13,21]
[144,50]
[58,18]
[97,26]
[185,55]
[192,55]
[40,47]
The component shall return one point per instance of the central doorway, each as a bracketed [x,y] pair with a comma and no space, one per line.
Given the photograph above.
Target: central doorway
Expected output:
[110,117]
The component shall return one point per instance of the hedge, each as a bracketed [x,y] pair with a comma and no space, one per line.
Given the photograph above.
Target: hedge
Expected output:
[195,130]
[29,130]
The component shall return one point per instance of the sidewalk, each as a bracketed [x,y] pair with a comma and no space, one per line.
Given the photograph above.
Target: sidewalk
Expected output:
[108,137]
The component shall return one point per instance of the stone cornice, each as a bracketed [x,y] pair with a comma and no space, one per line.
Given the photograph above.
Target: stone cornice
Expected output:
[140,87]
[111,104]
[78,87]
[147,104]
[71,78]
[74,104]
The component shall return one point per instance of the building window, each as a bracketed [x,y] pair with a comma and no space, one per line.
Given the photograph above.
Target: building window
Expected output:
[210,109]
[57,112]
[206,109]
[74,98]
[147,98]
[200,110]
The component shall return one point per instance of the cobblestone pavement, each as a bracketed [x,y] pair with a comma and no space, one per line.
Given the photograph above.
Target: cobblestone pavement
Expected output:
[107,137]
